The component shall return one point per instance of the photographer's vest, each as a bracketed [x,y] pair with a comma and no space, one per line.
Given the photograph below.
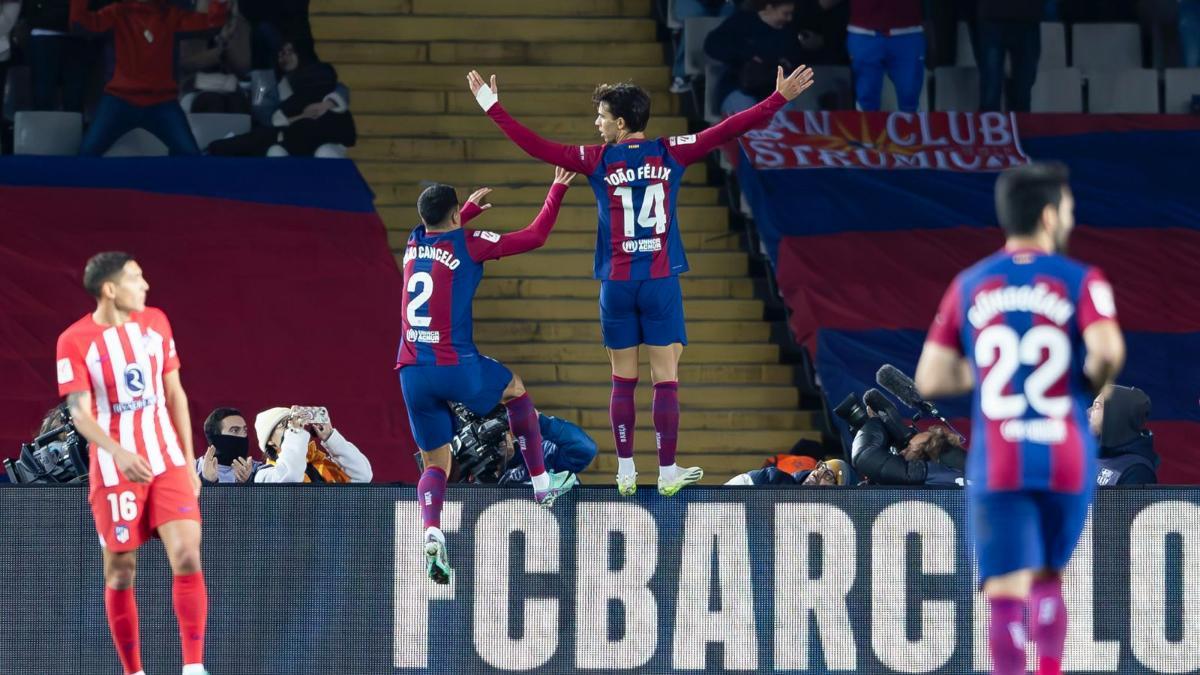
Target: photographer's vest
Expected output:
[320,468]
[1112,468]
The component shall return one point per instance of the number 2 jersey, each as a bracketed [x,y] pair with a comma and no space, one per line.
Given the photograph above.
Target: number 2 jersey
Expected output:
[1019,317]
[637,183]
[442,270]
[123,369]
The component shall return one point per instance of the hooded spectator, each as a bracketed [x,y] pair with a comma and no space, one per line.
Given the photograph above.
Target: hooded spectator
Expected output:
[1127,454]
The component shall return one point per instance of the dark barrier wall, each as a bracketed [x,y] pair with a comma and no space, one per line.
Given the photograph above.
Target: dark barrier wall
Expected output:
[330,580]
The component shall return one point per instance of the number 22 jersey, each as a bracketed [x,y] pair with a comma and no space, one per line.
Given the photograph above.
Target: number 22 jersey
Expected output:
[1019,317]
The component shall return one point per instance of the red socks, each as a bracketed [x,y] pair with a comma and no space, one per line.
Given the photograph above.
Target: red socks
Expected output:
[623,412]
[431,490]
[121,607]
[191,609]
[666,420]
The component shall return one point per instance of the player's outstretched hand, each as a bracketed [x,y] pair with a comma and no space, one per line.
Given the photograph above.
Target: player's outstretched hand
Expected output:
[135,467]
[483,91]
[478,196]
[793,85]
[563,176]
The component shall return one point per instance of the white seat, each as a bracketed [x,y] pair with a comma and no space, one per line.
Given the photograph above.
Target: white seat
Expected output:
[1130,90]
[208,127]
[47,133]
[712,107]
[331,151]
[1181,85]
[1054,46]
[696,30]
[831,82]
[955,89]
[137,143]
[672,22]
[1059,90]
[964,56]
[1105,46]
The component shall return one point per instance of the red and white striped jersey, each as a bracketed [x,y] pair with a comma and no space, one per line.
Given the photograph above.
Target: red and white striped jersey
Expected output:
[123,368]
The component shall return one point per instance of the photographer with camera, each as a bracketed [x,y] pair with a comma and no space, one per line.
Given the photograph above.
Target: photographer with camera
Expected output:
[227,459]
[57,453]
[483,449]
[301,446]
[888,451]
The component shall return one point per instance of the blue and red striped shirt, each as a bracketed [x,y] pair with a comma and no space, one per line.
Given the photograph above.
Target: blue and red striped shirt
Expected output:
[1019,318]
[443,269]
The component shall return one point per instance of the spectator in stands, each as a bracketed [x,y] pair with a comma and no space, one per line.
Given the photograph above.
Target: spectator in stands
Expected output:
[228,457]
[684,10]
[1189,32]
[55,56]
[211,67]
[753,42]
[932,457]
[886,35]
[830,472]
[314,111]
[142,92]
[9,11]
[1012,27]
[1127,457]
[300,452]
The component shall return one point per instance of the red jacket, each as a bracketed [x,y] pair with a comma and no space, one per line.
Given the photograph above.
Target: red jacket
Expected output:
[885,15]
[144,36]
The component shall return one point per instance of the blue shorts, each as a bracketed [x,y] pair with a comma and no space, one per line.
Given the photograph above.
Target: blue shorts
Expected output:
[1035,530]
[646,312]
[477,383]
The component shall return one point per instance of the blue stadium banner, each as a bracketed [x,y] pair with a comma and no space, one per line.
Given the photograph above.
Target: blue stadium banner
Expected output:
[330,580]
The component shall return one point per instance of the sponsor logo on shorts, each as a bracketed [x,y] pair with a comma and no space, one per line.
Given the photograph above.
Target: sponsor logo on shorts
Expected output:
[424,336]
[652,245]
[121,534]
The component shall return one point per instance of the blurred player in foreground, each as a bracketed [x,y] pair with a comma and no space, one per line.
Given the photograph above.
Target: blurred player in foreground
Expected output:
[119,371]
[1033,333]
[438,360]
[639,251]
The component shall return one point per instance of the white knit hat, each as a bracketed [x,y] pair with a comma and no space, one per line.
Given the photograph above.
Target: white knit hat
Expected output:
[265,423]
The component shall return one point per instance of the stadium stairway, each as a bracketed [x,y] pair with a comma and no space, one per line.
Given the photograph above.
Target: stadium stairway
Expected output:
[405,62]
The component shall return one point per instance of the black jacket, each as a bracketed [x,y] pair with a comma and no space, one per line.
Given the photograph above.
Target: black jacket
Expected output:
[872,457]
[1124,435]
[1131,463]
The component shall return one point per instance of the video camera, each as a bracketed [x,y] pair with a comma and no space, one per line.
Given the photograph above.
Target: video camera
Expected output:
[900,429]
[478,446]
[57,456]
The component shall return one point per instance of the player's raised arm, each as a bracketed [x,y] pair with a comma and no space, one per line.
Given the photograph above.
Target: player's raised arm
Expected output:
[475,205]
[579,158]
[786,89]
[490,246]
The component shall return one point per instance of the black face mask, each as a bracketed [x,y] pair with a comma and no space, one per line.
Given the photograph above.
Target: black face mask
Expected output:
[230,448]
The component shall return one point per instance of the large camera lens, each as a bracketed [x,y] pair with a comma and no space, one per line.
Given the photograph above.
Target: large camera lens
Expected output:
[851,410]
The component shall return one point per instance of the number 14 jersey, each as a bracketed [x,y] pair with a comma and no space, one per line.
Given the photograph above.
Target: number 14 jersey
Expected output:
[637,184]
[1018,317]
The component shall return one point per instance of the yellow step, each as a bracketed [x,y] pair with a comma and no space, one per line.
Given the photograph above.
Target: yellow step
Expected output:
[535,8]
[573,242]
[693,287]
[459,29]
[566,129]
[473,8]
[559,265]
[482,173]
[571,309]
[711,221]
[394,194]
[721,451]
[744,418]
[359,7]
[481,54]
[518,330]
[527,103]
[581,352]
[534,374]
[511,80]
[699,397]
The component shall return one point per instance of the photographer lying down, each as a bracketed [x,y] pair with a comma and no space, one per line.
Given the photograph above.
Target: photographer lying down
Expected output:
[482,449]
[301,446]
[888,451]
[827,473]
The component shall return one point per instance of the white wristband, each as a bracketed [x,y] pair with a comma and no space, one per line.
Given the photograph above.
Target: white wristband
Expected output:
[486,97]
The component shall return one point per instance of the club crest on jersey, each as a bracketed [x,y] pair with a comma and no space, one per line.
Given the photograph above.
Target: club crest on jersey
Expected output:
[135,379]
[641,245]
[121,533]
[487,236]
